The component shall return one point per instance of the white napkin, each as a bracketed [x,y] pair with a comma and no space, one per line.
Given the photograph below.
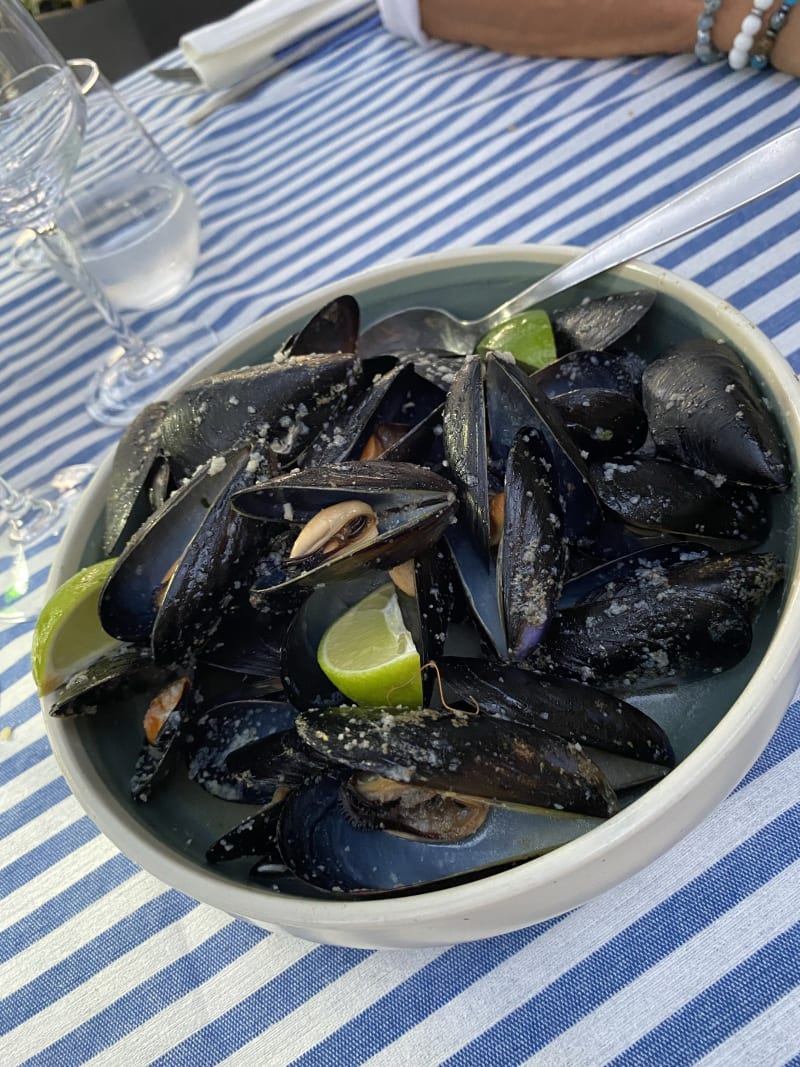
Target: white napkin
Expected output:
[225,52]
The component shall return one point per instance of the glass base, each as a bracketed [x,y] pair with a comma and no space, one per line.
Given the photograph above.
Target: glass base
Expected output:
[120,390]
[49,509]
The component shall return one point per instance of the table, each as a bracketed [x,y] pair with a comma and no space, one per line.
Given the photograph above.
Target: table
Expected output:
[374,150]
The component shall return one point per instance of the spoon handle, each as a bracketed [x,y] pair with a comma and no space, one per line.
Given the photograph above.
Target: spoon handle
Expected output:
[746,179]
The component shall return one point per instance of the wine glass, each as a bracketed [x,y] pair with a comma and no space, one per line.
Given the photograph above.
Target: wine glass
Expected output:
[42,122]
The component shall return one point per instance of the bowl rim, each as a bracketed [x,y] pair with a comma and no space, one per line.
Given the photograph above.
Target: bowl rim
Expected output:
[690,792]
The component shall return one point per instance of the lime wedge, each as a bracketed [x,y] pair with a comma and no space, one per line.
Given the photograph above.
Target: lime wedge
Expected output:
[370,656]
[68,635]
[527,336]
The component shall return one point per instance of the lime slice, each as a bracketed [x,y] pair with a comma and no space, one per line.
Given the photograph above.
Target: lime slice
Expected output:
[370,656]
[68,634]
[527,336]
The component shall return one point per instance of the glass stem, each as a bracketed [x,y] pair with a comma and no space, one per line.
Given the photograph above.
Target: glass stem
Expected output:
[65,259]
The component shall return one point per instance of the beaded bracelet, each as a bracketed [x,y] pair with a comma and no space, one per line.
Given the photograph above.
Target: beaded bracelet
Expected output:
[704,49]
[759,60]
[739,55]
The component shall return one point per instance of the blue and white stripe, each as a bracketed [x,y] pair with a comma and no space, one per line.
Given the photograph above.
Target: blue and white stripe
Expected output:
[375,150]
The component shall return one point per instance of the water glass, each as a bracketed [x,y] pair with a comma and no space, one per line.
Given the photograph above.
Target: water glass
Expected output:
[131,217]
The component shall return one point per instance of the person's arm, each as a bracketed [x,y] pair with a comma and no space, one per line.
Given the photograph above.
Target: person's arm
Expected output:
[594,29]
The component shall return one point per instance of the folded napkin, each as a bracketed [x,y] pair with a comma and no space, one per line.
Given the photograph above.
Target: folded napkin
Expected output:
[225,52]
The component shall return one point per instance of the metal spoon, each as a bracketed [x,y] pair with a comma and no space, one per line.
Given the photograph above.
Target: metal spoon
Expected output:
[746,179]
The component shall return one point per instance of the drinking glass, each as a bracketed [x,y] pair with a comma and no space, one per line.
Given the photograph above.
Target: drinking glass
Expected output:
[42,124]
[129,213]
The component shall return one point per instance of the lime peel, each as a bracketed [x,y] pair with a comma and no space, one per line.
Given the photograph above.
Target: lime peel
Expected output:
[528,336]
[369,654]
[68,636]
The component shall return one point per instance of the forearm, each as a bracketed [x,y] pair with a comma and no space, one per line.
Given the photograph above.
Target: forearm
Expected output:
[596,29]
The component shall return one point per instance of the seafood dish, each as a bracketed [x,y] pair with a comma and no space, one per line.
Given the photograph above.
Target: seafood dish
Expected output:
[557,546]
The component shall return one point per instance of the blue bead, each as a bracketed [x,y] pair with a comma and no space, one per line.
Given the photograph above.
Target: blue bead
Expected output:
[759,62]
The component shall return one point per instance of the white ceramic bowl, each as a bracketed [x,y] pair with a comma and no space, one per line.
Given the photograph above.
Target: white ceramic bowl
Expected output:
[719,726]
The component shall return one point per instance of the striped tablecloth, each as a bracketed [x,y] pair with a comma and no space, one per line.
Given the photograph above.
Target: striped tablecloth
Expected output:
[374,150]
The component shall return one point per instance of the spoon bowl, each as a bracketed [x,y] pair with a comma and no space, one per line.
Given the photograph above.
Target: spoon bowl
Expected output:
[745,179]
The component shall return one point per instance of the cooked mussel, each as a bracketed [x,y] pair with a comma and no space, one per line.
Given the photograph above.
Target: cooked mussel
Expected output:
[466,754]
[412,508]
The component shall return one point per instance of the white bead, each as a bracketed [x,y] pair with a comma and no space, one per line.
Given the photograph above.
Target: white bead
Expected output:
[743,42]
[762,5]
[737,60]
[751,25]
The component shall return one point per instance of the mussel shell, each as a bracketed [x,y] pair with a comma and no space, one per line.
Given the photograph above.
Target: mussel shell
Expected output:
[602,581]
[334,328]
[201,588]
[253,836]
[398,396]
[560,706]
[128,603]
[226,753]
[276,406]
[532,556]
[247,642]
[477,578]
[319,844]
[705,411]
[617,371]
[467,754]
[98,687]
[414,507]
[513,403]
[598,324]
[603,423]
[155,757]
[639,641]
[662,495]
[465,447]
[128,504]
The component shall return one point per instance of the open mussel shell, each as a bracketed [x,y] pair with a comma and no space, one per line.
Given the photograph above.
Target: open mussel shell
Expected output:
[129,600]
[471,755]
[514,403]
[172,583]
[375,803]
[253,836]
[163,723]
[273,407]
[235,749]
[661,495]
[705,412]
[412,507]
[200,589]
[318,843]
[129,502]
[561,706]
[385,422]
[120,673]
[598,324]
